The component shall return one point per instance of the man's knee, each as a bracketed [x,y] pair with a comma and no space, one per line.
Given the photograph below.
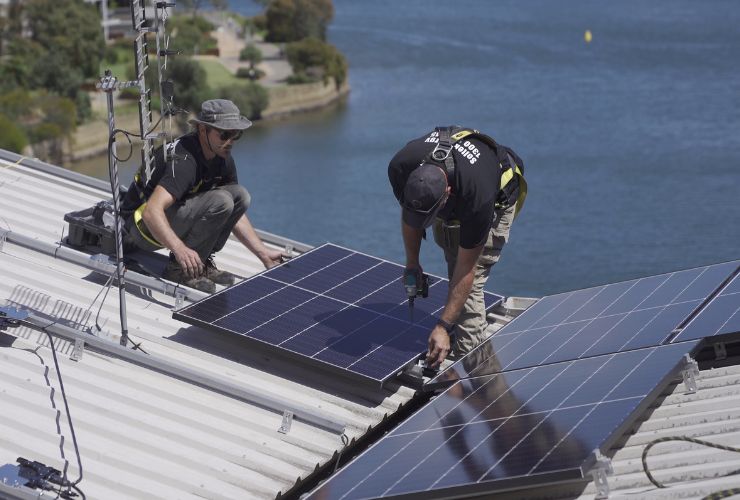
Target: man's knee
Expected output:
[239,196]
[217,204]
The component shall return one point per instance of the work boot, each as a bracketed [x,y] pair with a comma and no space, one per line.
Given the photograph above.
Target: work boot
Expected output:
[218,276]
[174,272]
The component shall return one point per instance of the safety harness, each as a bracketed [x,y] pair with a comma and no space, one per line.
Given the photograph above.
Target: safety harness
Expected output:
[145,189]
[512,167]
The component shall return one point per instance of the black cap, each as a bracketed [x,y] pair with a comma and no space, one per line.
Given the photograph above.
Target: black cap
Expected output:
[423,195]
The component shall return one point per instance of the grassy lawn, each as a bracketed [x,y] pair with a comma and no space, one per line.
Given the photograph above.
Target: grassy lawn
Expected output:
[218,75]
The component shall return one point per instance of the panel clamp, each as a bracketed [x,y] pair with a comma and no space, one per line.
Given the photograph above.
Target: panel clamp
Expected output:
[720,349]
[287,422]
[601,468]
[690,372]
[3,237]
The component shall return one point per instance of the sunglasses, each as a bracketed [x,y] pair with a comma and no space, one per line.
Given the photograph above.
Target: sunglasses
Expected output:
[225,135]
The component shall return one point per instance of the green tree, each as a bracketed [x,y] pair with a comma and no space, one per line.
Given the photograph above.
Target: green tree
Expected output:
[71,27]
[292,20]
[12,136]
[308,55]
[191,34]
[252,54]
[250,98]
[191,88]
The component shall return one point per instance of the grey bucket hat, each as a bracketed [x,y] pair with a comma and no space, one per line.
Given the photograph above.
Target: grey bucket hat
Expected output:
[221,114]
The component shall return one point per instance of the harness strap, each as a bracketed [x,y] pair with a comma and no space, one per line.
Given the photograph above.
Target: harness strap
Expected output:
[442,152]
[449,136]
[139,223]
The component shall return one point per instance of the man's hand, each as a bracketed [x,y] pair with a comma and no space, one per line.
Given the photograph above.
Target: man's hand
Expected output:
[189,261]
[439,346]
[418,276]
[271,258]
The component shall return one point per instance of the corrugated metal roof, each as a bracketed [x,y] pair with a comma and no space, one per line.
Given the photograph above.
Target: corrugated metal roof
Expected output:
[143,434]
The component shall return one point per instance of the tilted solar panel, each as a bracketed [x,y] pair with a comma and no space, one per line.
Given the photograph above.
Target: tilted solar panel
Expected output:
[720,317]
[594,321]
[530,427]
[341,309]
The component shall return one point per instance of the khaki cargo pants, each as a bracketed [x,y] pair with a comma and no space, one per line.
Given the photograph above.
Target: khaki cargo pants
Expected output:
[471,324]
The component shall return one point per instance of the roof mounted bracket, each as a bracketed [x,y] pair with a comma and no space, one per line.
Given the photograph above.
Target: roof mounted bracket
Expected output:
[601,468]
[179,298]
[78,350]
[287,422]
[3,237]
[720,350]
[690,372]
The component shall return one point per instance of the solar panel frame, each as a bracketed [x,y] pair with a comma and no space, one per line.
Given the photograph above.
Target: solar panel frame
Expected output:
[614,317]
[422,458]
[298,310]
[719,319]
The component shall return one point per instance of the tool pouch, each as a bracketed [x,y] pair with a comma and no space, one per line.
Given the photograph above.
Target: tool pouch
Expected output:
[447,234]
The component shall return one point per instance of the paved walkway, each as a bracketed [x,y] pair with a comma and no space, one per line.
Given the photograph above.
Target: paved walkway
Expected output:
[275,66]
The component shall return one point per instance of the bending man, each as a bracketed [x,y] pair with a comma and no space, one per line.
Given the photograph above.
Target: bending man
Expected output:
[468,187]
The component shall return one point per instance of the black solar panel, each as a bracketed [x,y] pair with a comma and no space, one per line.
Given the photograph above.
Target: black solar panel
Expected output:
[721,316]
[526,427]
[340,308]
[594,321]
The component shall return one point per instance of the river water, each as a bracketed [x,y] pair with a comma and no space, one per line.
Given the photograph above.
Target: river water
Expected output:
[631,142]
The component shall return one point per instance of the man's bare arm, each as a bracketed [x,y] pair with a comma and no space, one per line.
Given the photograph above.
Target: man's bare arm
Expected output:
[245,233]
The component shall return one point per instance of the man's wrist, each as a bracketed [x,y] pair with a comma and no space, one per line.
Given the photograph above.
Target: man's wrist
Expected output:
[448,327]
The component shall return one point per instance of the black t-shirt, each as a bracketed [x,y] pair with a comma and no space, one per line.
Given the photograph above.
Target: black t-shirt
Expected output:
[188,174]
[474,189]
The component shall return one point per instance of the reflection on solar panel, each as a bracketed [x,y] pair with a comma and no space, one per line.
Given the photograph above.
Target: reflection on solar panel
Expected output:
[594,321]
[721,316]
[527,427]
[336,307]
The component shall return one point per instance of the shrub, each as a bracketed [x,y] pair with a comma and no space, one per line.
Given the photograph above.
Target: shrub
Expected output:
[251,98]
[313,53]
[12,136]
[192,34]
[250,73]
[299,78]
[291,20]
[252,54]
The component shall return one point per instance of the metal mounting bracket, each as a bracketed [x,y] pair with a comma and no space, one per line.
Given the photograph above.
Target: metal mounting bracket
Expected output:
[287,422]
[78,350]
[179,298]
[599,471]
[690,372]
[3,238]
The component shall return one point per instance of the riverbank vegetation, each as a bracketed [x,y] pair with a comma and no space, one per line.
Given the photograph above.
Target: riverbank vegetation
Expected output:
[45,62]
[49,65]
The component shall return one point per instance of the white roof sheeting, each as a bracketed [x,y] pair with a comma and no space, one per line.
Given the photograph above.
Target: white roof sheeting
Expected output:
[144,434]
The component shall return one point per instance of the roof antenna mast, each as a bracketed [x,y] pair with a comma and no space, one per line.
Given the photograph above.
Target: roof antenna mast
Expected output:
[108,84]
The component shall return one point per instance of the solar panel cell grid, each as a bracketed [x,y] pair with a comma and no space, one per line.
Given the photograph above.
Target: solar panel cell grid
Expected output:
[610,318]
[336,307]
[537,425]
[721,316]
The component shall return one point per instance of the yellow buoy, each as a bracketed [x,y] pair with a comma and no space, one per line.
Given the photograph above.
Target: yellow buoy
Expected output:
[587,37]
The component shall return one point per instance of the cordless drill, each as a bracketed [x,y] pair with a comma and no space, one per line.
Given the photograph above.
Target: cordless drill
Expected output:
[415,289]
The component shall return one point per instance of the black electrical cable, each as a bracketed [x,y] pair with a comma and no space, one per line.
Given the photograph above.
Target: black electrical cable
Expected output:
[712,496]
[66,408]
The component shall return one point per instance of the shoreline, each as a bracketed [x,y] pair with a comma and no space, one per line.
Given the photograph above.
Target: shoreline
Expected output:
[90,140]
